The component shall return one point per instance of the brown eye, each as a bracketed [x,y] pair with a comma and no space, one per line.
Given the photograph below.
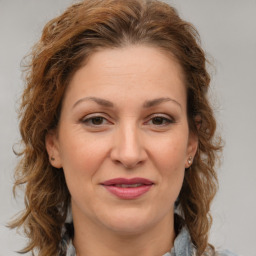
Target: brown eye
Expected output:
[97,120]
[158,120]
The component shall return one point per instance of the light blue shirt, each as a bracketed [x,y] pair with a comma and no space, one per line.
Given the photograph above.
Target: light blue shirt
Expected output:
[182,247]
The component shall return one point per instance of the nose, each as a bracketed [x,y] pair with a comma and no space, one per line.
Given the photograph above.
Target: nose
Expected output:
[128,149]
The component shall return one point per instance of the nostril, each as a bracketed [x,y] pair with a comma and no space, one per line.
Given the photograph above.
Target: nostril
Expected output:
[128,165]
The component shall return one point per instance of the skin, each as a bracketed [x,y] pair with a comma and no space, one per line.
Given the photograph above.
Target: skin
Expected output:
[138,136]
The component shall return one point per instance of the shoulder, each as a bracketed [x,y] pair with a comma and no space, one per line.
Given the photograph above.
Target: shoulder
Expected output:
[225,253]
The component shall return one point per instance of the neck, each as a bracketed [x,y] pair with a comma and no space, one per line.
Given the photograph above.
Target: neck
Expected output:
[91,239]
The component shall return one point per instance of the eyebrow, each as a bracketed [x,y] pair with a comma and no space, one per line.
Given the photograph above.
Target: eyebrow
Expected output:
[109,104]
[155,102]
[99,101]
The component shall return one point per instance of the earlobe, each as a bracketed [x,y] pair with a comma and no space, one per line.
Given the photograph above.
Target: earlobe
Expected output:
[52,148]
[191,149]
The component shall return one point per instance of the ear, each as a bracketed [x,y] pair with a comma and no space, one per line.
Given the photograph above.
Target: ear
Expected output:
[191,148]
[52,147]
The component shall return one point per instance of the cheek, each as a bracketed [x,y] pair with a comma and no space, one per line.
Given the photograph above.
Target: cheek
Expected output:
[170,152]
[81,157]
[80,148]
[169,156]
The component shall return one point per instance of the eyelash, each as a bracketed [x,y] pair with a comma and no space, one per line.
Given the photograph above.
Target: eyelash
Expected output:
[166,120]
[89,120]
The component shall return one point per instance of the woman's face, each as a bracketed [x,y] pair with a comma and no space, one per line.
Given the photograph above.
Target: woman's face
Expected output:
[123,139]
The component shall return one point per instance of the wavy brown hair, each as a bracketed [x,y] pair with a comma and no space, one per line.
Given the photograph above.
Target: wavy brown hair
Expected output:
[65,44]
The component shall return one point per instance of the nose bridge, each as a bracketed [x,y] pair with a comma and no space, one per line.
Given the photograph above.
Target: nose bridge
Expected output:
[129,149]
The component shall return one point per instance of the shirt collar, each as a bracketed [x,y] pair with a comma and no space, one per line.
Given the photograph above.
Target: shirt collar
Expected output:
[182,245]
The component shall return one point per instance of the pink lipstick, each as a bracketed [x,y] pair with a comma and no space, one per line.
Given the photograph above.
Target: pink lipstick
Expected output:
[128,188]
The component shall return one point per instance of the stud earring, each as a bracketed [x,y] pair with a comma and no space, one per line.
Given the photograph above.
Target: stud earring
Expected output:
[52,158]
[190,160]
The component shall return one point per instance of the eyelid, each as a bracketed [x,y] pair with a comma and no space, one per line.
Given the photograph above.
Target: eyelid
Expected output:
[95,115]
[166,117]
[107,120]
[163,115]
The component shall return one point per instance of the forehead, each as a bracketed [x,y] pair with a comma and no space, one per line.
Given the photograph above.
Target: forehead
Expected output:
[129,70]
[133,60]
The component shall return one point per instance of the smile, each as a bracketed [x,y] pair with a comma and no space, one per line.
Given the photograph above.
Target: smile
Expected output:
[128,185]
[128,188]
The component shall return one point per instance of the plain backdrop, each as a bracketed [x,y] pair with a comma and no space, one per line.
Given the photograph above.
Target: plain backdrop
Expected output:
[228,33]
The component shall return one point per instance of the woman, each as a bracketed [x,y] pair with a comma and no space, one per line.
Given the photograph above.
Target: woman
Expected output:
[118,134]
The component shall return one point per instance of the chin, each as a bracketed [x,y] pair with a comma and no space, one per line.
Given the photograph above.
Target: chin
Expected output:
[129,228]
[129,223]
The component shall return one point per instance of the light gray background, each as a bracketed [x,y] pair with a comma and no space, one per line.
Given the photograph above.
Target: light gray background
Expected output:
[228,32]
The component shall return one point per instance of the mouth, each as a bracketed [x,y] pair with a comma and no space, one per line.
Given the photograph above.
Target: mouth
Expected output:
[128,185]
[128,188]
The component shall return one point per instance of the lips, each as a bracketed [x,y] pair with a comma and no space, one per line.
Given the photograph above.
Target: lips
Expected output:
[128,188]
[120,181]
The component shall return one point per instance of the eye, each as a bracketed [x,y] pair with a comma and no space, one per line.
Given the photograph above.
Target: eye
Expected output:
[158,120]
[95,121]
